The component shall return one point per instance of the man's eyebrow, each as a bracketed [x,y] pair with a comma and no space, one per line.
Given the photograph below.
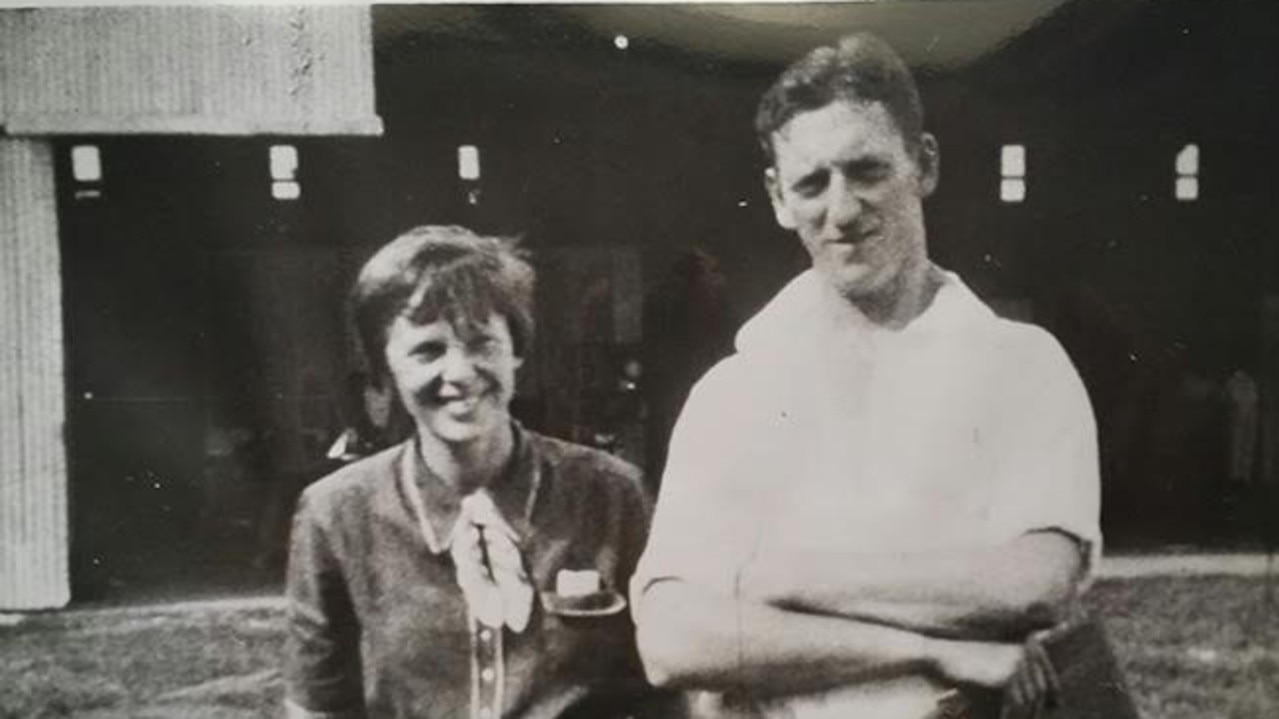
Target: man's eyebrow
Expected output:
[867,162]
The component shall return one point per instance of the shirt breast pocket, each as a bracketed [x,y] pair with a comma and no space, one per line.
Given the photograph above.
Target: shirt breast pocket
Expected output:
[592,639]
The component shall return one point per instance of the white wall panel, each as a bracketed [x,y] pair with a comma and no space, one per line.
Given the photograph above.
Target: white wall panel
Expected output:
[221,70]
[33,468]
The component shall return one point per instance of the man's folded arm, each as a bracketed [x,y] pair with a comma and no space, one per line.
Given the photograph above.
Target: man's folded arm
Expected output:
[694,638]
[1044,504]
[997,592]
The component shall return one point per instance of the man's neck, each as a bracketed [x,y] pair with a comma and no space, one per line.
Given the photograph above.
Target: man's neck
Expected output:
[469,466]
[907,297]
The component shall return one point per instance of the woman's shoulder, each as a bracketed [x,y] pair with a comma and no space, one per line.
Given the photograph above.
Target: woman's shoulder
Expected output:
[355,484]
[577,464]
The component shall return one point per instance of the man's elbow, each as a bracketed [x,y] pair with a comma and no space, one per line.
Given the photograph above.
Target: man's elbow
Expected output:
[1047,590]
[662,662]
[1012,613]
[1045,604]
[671,636]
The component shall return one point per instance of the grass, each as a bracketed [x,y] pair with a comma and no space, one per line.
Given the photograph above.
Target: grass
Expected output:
[204,664]
[1192,648]
[1196,648]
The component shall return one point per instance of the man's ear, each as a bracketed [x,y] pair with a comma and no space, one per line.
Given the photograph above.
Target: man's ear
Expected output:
[928,164]
[780,210]
[519,362]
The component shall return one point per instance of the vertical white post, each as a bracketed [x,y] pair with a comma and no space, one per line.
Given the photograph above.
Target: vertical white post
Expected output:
[34,534]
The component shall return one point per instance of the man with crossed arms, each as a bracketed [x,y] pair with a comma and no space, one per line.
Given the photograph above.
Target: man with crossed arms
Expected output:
[871,508]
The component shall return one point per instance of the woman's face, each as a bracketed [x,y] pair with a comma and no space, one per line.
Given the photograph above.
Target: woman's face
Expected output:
[457,386]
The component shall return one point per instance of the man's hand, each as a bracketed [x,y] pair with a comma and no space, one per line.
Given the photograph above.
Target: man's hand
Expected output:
[1022,673]
[1034,685]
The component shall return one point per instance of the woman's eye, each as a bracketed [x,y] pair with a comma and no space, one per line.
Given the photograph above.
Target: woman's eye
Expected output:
[430,351]
[483,345]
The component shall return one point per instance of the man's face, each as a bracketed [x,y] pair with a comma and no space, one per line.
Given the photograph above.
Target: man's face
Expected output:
[845,182]
[456,386]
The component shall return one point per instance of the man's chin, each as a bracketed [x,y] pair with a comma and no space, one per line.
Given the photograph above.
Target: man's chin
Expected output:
[858,285]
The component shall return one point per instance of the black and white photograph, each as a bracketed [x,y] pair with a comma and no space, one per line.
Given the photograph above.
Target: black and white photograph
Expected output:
[881,359]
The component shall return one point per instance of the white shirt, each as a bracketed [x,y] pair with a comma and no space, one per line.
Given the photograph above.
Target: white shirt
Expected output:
[826,431]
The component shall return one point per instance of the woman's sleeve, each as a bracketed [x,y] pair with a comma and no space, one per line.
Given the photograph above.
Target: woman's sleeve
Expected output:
[323,676]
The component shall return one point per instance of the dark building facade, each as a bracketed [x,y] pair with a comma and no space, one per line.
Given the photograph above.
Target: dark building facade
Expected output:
[207,353]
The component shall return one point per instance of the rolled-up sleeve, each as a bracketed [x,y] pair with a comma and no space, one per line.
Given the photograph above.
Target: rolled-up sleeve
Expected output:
[322,666]
[1048,476]
[705,521]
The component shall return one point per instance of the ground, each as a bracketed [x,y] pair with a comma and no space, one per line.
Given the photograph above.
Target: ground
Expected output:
[1197,648]
[1192,648]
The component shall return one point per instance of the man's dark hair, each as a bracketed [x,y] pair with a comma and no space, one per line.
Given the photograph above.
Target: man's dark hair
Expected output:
[444,272]
[859,68]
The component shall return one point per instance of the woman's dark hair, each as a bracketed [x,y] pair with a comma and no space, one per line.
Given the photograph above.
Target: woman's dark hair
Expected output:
[444,272]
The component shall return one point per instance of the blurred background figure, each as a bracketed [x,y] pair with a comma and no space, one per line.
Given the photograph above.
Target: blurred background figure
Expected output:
[365,415]
[688,327]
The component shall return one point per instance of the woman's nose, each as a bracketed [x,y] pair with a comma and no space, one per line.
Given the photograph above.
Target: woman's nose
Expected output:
[457,365]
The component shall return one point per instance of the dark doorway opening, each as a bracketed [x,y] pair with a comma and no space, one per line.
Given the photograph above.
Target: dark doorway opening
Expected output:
[206,354]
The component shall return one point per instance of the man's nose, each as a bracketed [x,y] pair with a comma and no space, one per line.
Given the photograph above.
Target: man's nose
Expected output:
[844,206]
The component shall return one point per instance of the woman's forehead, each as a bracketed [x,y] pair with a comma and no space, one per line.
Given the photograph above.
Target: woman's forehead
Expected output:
[463,322]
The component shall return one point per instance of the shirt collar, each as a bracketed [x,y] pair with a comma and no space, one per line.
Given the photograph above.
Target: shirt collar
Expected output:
[805,310]
[436,505]
[954,308]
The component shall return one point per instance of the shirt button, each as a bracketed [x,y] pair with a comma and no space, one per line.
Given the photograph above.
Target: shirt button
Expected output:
[485,635]
[488,674]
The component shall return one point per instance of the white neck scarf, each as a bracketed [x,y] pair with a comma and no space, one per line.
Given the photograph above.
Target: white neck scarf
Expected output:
[490,568]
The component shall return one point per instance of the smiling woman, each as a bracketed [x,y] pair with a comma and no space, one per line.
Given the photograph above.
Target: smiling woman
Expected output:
[456,385]
[446,316]
[415,574]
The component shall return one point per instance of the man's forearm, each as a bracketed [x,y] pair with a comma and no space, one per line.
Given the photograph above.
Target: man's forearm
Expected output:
[693,638]
[1000,592]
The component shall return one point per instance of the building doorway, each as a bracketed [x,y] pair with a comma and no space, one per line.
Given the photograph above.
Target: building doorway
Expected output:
[206,352]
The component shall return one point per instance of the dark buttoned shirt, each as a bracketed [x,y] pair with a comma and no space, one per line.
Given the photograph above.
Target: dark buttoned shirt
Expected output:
[378,626]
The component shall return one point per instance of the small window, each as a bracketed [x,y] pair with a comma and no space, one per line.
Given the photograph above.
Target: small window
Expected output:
[86,163]
[1012,171]
[284,172]
[1012,161]
[286,190]
[86,170]
[1012,190]
[284,162]
[468,162]
[1186,187]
